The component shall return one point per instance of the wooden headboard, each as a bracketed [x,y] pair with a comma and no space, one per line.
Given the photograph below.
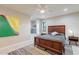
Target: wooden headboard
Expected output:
[57,28]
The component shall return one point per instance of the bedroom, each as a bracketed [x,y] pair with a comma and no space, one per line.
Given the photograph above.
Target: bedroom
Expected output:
[34,20]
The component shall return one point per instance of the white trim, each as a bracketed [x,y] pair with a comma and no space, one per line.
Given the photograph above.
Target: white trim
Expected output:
[7,49]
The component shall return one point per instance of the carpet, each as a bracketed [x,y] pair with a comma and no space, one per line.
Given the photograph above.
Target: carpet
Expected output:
[68,50]
[75,50]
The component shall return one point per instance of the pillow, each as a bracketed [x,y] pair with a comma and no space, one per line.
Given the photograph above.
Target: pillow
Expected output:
[54,33]
[60,34]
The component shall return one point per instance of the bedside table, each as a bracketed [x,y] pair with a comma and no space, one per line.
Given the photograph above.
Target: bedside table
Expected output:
[73,38]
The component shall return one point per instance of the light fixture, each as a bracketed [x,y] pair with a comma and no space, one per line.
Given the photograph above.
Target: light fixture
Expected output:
[66,9]
[42,11]
[71,32]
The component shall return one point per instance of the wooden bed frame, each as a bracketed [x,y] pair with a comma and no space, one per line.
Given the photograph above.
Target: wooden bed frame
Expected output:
[56,47]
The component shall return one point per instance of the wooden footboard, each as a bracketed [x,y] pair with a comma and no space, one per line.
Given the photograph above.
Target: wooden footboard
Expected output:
[54,46]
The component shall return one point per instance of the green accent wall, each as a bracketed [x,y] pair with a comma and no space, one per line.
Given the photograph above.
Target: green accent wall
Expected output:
[5,28]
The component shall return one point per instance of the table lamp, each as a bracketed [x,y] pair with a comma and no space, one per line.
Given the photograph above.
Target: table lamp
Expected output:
[71,32]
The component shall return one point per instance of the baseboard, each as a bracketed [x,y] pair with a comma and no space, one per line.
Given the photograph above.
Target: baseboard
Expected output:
[7,49]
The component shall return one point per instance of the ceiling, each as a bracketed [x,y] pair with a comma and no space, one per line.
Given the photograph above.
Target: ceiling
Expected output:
[51,10]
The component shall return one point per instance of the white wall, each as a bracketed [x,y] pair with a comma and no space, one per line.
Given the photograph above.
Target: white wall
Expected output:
[24,34]
[71,21]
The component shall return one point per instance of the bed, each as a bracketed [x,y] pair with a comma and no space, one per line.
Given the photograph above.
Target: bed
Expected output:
[54,43]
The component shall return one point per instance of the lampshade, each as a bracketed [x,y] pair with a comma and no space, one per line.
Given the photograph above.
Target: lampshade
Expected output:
[71,32]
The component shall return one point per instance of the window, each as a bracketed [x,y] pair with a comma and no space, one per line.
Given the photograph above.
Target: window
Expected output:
[33,26]
[44,26]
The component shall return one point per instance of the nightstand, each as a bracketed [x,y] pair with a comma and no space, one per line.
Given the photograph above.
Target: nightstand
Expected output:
[73,38]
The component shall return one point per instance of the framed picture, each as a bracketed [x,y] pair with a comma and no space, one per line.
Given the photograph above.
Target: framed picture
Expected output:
[9,26]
